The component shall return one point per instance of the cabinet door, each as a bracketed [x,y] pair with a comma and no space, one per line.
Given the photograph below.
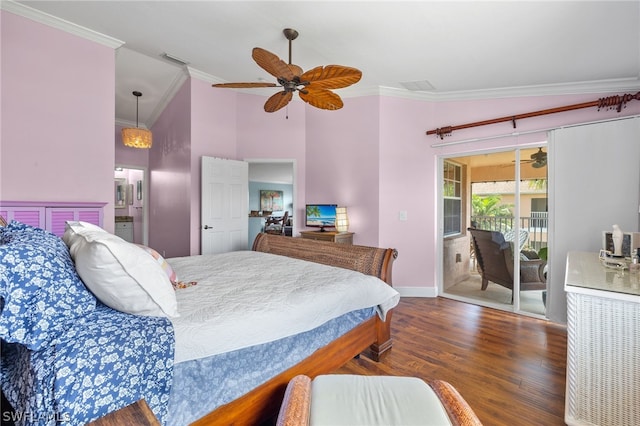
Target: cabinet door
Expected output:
[58,216]
[33,216]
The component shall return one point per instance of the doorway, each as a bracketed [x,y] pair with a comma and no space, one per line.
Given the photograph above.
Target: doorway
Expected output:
[276,175]
[131,199]
[504,192]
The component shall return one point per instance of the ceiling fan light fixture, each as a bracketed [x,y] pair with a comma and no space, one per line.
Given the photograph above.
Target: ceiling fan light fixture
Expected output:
[136,137]
[314,86]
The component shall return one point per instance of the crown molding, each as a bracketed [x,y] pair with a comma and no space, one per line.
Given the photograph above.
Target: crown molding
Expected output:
[61,24]
[576,88]
[201,75]
[173,88]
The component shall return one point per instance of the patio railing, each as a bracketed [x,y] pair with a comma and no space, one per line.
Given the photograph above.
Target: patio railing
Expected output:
[536,225]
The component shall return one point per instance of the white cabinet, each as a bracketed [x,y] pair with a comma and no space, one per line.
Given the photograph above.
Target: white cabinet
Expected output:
[603,347]
[124,230]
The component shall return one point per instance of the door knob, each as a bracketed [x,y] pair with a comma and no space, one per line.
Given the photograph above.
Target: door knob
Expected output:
[208,227]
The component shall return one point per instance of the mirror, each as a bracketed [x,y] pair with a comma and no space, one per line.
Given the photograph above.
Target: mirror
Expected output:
[120,193]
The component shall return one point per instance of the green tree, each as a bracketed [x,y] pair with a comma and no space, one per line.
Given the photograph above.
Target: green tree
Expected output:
[488,206]
[313,211]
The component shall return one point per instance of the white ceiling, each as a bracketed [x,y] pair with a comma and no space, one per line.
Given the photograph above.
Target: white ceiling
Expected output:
[460,50]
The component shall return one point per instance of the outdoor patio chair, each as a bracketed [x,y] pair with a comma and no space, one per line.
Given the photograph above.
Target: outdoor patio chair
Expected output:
[495,262]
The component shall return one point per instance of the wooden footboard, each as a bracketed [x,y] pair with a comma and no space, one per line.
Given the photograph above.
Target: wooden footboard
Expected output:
[261,405]
[368,260]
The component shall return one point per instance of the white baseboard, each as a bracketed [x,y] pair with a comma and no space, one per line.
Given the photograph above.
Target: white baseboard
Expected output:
[417,291]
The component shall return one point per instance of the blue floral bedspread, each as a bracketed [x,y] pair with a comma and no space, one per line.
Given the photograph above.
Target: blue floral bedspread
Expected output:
[104,361]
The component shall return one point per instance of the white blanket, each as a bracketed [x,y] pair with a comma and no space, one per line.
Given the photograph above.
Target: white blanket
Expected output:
[248,298]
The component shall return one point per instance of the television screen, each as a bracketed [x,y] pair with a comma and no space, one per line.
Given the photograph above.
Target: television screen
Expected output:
[321,215]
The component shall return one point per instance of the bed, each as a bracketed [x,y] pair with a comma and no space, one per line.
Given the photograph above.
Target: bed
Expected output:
[71,355]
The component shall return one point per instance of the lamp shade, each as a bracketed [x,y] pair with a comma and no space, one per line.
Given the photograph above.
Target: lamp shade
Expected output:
[342,220]
[136,137]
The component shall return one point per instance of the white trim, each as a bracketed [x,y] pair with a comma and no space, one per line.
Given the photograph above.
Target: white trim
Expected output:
[168,95]
[417,291]
[294,185]
[61,24]
[575,88]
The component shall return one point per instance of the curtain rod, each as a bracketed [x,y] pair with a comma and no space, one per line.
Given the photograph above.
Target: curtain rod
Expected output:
[515,134]
[618,101]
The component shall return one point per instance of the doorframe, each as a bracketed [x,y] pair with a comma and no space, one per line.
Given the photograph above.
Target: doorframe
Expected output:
[515,307]
[294,188]
[145,198]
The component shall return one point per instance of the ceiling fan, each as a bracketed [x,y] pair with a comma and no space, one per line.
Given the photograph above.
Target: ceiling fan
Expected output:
[538,159]
[312,86]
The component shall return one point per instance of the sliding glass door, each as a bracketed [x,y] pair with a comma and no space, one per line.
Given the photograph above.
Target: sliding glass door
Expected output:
[503,196]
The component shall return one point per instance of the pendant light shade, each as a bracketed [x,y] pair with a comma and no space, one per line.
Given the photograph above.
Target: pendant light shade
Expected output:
[135,137]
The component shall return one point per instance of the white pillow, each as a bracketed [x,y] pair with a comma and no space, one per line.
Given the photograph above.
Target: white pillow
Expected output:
[120,274]
[72,226]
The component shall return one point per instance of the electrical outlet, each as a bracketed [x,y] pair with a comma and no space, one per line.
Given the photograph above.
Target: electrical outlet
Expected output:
[402,216]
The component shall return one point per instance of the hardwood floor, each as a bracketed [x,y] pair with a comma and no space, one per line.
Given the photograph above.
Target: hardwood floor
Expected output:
[509,368]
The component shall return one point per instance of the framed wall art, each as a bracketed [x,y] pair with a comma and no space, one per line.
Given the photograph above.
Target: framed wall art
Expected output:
[271,200]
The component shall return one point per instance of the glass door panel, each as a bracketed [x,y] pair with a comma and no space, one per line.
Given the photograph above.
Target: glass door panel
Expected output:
[502,193]
[533,224]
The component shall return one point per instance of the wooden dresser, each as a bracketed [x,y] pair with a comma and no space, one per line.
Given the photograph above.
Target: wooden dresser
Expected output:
[333,236]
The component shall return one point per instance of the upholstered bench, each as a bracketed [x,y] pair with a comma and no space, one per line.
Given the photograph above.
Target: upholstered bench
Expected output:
[336,399]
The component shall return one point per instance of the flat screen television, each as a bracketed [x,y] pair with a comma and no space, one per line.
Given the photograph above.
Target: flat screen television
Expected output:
[321,216]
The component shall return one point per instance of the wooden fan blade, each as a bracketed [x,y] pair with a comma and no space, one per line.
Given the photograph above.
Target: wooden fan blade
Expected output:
[278,101]
[296,70]
[332,76]
[321,98]
[272,64]
[244,85]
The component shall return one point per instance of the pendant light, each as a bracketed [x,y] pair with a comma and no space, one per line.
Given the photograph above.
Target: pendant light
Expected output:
[134,136]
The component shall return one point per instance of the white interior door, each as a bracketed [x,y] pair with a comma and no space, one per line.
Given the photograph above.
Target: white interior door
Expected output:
[224,205]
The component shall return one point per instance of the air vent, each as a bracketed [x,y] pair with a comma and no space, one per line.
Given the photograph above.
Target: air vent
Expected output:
[418,86]
[174,59]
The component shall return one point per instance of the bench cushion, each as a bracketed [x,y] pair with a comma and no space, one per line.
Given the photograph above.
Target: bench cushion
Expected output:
[352,400]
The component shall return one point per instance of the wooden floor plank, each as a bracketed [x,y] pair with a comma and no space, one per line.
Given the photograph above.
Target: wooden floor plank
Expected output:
[509,368]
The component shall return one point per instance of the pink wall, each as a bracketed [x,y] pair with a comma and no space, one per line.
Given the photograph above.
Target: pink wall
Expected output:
[407,183]
[58,98]
[170,177]
[343,162]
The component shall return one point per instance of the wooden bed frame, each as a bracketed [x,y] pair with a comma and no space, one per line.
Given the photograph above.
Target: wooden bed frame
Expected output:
[261,405]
